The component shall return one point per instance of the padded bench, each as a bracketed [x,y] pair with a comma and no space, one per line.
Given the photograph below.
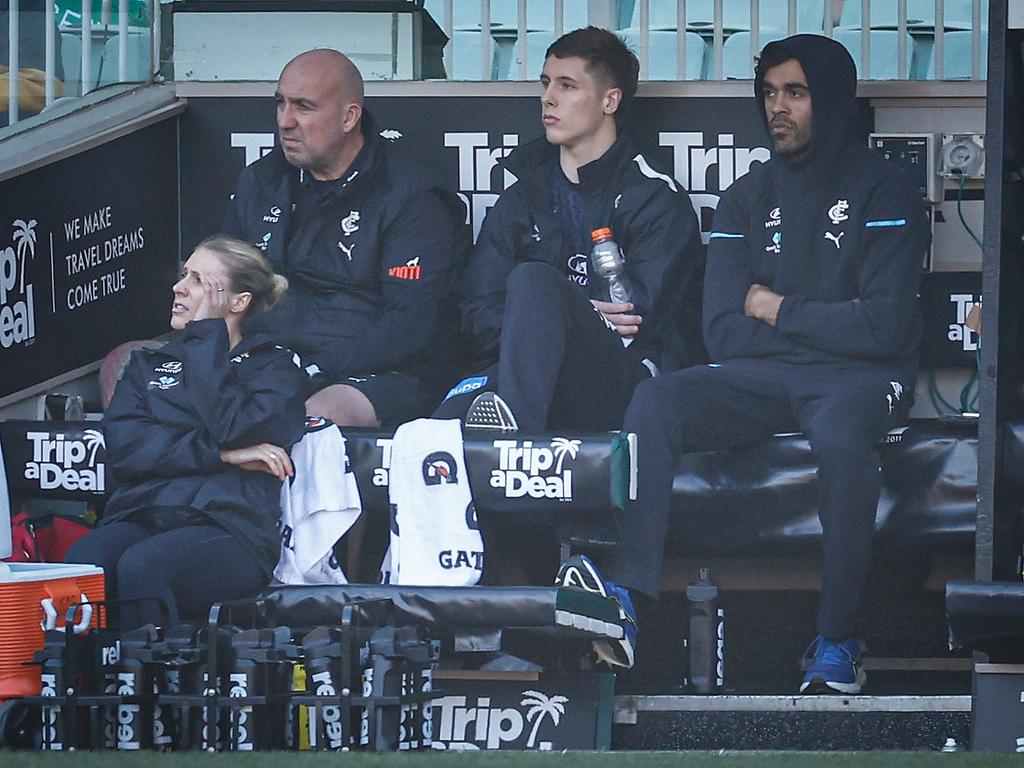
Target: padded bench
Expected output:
[989,616]
[744,501]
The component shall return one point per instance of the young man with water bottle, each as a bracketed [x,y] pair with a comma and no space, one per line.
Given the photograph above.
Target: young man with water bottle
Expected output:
[563,352]
[586,278]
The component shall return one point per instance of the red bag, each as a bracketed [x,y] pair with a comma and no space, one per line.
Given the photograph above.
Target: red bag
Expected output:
[44,538]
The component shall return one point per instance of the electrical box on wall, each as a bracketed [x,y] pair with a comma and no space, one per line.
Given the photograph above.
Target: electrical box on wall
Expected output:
[963,156]
[916,154]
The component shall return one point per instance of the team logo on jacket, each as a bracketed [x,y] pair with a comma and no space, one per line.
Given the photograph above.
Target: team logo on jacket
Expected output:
[350,224]
[578,269]
[439,467]
[834,238]
[774,218]
[164,382]
[264,242]
[837,213]
[895,396]
[171,366]
[391,134]
[408,271]
[776,244]
[535,471]
[347,249]
[273,215]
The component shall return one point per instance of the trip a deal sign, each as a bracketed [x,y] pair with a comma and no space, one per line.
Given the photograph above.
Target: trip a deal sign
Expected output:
[88,253]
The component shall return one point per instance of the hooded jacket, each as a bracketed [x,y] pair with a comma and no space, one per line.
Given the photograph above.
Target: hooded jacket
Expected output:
[369,267]
[841,235]
[177,406]
[651,218]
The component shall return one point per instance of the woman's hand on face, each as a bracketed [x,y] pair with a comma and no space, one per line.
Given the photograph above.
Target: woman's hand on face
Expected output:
[216,298]
[264,457]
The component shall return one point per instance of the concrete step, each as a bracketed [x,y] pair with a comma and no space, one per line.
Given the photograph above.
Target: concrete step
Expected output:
[779,722]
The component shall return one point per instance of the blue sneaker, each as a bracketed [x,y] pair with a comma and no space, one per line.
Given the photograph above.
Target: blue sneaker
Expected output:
[832,666]
[579,571]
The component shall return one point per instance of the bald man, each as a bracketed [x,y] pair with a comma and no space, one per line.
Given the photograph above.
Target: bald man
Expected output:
[368,247]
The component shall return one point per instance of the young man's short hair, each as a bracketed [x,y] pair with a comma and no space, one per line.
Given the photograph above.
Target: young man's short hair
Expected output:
[608,60]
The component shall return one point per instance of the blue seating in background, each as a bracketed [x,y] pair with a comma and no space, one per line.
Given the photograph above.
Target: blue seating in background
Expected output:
[466,52]
[957,57]
[737,61]
[883,52]
[663,54]
[957,14]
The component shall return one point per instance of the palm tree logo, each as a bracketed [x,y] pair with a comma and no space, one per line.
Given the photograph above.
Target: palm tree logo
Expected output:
[25,239]
[563,446]
[540,705]
[93,440]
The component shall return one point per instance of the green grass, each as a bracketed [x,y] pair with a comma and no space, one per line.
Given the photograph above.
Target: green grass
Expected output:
[517,759]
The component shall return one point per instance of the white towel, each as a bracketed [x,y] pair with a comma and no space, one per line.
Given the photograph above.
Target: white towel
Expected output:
[435,540]
[318,506]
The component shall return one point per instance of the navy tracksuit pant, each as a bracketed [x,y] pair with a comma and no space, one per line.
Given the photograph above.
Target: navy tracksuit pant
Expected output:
[560,365]
[843,409]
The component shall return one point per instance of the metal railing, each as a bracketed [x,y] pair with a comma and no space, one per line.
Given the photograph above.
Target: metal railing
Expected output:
[29,20]
[890,39]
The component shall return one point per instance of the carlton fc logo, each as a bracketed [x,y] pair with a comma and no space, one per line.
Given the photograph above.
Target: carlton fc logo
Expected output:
[350,224]
[837,213]
[439,467]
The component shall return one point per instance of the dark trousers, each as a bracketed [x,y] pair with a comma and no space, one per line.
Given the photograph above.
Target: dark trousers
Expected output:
[843,410]
[191,568]
[560,365]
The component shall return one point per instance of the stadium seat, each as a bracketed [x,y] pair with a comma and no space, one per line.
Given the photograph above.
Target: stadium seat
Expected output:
[466,13]
[71,54]
[957,56]
[957,14]
[884,52]
[737,61]
[537,44]
[663,54]
[138,59]
[700,15]
[466,52]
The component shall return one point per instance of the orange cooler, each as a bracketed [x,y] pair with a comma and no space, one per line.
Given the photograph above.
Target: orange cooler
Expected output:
[31,593]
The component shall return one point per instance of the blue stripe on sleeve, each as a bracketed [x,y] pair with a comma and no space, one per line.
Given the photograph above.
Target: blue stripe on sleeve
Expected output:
[730,235]
[887,223]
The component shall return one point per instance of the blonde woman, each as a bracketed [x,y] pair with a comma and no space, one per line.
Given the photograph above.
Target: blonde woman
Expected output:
[197,438]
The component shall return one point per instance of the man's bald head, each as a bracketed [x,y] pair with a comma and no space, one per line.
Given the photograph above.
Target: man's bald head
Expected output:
[334,67]
[319,112]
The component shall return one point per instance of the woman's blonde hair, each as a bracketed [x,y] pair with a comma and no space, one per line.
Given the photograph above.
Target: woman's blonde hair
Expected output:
[248,270]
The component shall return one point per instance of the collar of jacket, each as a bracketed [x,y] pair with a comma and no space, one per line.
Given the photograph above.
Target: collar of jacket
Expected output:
[530,163]
[274,168]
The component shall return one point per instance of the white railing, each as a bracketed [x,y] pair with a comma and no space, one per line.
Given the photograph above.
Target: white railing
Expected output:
[718,39]
[91,47]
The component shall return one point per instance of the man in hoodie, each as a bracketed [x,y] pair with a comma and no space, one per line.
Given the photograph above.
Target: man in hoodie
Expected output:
[561,354]
[368,246]
[811,319]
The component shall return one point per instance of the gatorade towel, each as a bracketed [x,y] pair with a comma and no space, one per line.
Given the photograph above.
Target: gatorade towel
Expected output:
[435,539]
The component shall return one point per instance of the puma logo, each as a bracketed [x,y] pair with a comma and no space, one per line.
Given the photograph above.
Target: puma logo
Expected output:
[834,238]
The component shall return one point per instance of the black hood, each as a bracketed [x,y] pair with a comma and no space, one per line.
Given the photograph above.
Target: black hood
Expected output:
[832,79]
